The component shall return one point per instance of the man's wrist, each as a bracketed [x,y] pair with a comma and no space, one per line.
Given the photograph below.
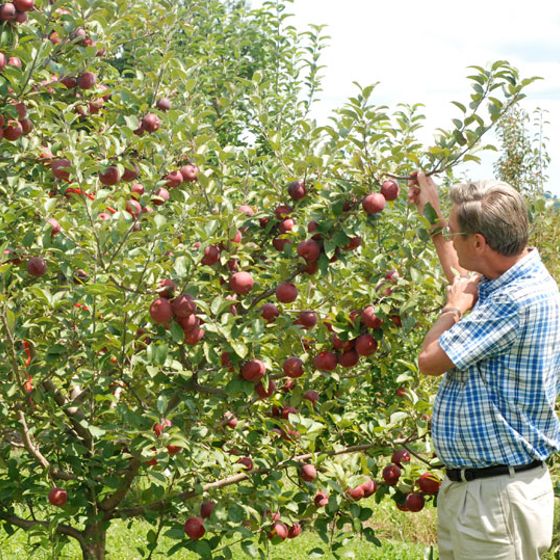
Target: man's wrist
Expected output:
[437,227]
[451,309]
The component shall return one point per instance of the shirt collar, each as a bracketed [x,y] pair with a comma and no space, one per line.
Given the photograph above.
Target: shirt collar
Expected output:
[519,269]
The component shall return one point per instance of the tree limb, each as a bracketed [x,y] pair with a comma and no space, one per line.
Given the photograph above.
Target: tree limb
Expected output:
[112,501]
[28,524]
[237,478]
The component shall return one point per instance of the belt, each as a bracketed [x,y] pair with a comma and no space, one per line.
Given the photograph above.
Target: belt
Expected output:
[465,475]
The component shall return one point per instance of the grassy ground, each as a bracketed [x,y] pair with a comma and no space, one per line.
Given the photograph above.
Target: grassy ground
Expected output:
[405,536]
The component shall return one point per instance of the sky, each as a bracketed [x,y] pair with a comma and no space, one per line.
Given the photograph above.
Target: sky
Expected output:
[419,52]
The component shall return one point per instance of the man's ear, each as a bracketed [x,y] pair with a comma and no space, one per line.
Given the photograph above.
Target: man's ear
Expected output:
[480,240]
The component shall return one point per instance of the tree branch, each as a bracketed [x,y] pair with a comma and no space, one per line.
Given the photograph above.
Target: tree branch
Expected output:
[74,414]
[111,502]
[27,524]
[237,478]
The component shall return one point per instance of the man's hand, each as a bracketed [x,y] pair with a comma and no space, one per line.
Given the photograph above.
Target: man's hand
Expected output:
[423,192]
[463,292]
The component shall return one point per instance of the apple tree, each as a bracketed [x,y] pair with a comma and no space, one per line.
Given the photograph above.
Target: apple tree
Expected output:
[210,304]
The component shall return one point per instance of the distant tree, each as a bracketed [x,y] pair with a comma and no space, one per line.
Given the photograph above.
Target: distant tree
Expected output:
[524,158]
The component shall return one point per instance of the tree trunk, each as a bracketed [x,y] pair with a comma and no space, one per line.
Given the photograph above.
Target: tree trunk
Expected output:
[93,545]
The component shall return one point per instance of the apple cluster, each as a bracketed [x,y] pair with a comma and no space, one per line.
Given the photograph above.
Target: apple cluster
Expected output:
[16,12]
[410,499]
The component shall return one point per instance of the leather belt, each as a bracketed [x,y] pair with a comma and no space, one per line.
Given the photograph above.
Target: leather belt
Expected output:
[466,475]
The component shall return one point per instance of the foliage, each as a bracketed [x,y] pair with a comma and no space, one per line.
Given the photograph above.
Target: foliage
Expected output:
[524,158]
[131,415]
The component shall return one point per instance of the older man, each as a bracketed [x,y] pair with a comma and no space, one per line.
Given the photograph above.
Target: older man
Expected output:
[497,340]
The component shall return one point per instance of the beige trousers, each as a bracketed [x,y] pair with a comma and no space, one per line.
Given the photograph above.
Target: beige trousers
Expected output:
[507,517]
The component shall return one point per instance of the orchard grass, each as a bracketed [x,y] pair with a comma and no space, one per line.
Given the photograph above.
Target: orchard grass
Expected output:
[404,536]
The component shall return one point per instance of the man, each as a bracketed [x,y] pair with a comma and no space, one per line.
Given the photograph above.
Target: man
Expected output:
[497,340]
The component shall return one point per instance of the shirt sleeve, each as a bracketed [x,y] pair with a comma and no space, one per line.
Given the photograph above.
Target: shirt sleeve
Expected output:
[490,329]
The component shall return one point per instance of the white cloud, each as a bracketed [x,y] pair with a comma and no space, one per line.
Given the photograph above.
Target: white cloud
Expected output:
[419,52]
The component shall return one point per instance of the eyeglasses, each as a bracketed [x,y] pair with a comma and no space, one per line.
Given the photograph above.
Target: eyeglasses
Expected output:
[448,235]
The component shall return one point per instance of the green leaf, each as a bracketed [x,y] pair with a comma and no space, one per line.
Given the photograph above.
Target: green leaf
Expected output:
[430,214]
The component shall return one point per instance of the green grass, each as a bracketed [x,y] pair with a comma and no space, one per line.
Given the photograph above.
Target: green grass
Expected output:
[404,536]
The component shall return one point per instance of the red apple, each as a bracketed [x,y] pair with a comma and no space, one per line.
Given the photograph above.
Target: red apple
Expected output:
[370,319]
[269,312]
[26,126]
[293,367]
[23,5]
[36,266]
[429,483]
[325,361]
[247,210]
[286,225]
[110,176]
[194,528]
[194,336]
[282,211]
[7,12]
[265,392]
[356,493]
[166,288]
[279,243]
[344,345]
[312,396]
[391,474]
[400,456]
[297,190]
[159,427]
[349,359]
[294,531]
[321,499]
[55,226]
[173,449]
[164,104]
[14,60]
[13,130]
[308,472]
[286,292]
[173,179]
[87,80]
[211,255]
[369,487]
[134,208]
[160,196]
[247,462]
[206,508]
[150,122]
[365,345]
[241,283]
[189,172]
[58,168]
[183,306]
[310,250]
[307,319]
[160,311]
[253,370]
[130,175]
[279,530]
[58,496]
[390,189]
[230,420]
[414,502]
[373,203]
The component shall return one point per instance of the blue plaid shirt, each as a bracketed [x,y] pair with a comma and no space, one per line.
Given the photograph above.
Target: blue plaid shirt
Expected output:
[496,406]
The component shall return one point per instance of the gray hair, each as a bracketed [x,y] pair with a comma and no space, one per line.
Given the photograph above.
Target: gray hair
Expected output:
[495,210]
